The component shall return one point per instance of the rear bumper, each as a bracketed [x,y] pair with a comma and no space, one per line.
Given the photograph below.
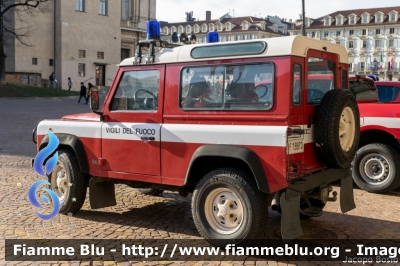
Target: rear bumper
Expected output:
[317,179]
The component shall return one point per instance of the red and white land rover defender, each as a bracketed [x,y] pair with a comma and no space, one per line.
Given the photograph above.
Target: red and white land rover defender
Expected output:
[376,166]
[240,125]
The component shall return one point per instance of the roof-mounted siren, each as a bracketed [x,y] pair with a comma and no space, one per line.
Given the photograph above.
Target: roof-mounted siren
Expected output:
[183,38]
[153,30]
[175,37]
[212,37]
[192,39]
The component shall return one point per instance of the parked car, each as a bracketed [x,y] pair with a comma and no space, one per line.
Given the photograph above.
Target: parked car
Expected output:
[235,150]
[376,166]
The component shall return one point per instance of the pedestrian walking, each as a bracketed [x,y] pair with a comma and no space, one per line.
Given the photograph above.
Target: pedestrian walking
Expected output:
[82,93]
[69,83]
[52,78]
[89,91]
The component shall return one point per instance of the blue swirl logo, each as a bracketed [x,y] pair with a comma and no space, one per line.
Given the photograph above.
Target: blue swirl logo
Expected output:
[43,154]
[35,202]
[49,166]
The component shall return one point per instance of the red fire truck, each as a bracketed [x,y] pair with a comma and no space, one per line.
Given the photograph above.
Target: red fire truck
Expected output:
[263,137]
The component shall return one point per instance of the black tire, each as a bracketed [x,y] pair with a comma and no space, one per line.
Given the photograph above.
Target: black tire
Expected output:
[376,168]
[72,189]
[233,187]
[151,191]
[334,105]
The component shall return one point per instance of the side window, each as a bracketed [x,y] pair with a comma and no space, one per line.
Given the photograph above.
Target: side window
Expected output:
[388,93]
[320,79]
[297,81]
[137,91]
[231,87]
[364,89]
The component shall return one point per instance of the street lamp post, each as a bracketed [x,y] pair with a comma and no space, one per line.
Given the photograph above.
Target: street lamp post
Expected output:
[2,53]
[304,20]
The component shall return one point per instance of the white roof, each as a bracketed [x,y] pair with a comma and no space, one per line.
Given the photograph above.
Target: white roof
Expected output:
[278,46]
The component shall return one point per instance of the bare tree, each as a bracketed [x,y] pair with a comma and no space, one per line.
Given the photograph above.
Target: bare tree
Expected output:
[22,9]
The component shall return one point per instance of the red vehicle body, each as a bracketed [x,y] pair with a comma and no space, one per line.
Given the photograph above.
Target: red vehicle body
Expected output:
[266,135]
[376,167]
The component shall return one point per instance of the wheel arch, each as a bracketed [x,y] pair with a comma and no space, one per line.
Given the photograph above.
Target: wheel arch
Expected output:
[210,157]
[72,142]
[378,136]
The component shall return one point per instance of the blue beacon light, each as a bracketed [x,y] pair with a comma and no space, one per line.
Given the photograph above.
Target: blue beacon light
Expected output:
[153,30]
[212,37]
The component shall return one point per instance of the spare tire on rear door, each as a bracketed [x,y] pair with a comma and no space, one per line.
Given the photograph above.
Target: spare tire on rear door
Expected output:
[337,128]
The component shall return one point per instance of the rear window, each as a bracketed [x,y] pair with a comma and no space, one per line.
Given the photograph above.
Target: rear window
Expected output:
[388,93]
[363,89]
[320,79]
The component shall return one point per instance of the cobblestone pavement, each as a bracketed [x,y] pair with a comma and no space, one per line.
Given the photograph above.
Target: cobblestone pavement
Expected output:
[144,217]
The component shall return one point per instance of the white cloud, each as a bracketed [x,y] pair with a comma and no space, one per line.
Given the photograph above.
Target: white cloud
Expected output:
[174,10]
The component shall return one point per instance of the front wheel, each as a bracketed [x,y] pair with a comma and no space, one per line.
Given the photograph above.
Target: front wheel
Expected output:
[376,168]
[68,182]
[227,206]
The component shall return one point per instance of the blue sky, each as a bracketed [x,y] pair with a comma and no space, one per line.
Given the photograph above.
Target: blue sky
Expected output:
[174,10]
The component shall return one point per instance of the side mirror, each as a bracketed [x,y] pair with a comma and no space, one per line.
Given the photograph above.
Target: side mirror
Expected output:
[94,100]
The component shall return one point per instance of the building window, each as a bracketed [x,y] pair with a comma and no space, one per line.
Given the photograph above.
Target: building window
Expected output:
[81,69]
[364,32]
[219,27]
[365,19]
[204,28]
[327,22]
[377,43]
[82,53]
[393,17]
[391,31]
[378,31]
[188,29]
[351,32]
[338,33]
[313,34]
[211,27]
[350,66]
[173,29]
[352,20]
[126,9]
[100,55]
[180,29]
[362,66]
[125,53]
[391,43]
[103,7]
[378,18]
[364,44]
[51,62]
[34,61]
[351,44]
[326,33]
[228,26]
[196,29]
[166,30]
[339,21]
[306,23]
[80,5]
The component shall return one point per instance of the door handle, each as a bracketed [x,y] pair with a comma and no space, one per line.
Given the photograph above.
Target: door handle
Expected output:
[148,138]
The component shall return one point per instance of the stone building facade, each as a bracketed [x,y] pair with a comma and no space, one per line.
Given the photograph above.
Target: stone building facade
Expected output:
[371,36]
[81,39]
[229,28]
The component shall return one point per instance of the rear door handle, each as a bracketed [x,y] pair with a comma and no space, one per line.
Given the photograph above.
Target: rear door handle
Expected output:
[148,138]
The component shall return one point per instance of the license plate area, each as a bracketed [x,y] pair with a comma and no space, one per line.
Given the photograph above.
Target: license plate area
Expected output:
[295,146]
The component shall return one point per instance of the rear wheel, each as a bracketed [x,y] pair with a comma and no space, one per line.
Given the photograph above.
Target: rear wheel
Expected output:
[337,128]
[228,207]
[68,182]
[376,168]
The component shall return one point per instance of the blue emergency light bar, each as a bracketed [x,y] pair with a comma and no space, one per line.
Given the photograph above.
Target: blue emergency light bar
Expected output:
[153,30]
[212,37]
